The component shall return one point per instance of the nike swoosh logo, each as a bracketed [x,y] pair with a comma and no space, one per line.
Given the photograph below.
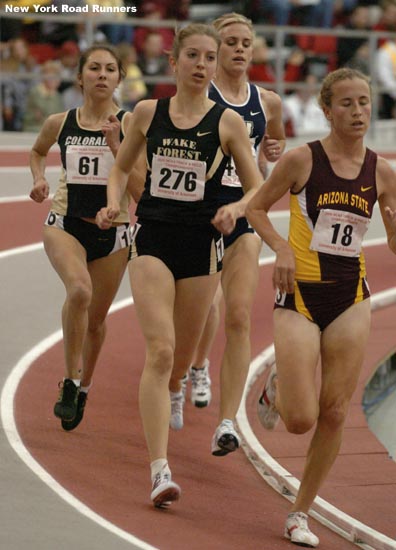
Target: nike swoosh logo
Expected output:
[200,134]
[254,114]
[363,189]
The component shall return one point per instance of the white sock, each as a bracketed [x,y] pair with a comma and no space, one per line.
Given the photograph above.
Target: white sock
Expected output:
[159,465]
[85,389]
[175,394]
[227,420]
[76,381]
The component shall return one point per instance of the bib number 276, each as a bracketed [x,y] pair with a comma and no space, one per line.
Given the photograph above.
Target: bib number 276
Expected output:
[172,179]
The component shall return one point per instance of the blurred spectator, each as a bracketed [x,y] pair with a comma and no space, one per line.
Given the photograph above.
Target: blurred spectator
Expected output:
[155,11]
[72,97]
[386,74]
[273,11]
[44,98]
[360,59]
[132,86]
[9,28]
[16,66]
[16,28]
[68,55]
[170,9]
[261,70]
[323,14]
[359,20]
[98,38]
[311,13]
[115,33]
[165,89]
[387,20]
[152,61]
[57,32]
[178,10]
[302,114]
[320,52]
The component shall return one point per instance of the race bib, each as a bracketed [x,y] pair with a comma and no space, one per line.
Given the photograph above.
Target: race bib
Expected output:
[123,236]
[340,233]
[280,297]
[88,165]
[220,249]
[230,177]
[178,179]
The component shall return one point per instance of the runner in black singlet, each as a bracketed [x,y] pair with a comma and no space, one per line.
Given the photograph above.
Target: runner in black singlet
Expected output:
[177,244]
[89,262]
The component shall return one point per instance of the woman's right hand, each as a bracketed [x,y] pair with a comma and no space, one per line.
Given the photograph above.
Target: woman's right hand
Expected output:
[106,216]
[40,190]
[284,269]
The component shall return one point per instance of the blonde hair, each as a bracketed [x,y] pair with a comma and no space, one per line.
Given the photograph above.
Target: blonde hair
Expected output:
[345,73]
[231,18]
[50,67]
[192,30]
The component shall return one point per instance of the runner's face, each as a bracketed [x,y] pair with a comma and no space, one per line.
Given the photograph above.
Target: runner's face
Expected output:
[350,109]
[100,74]
[197,60]
[236,47]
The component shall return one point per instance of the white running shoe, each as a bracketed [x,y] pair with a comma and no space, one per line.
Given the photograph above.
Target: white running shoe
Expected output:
[267,413]
[164,490]
[225,439]
[297,531]
[177,404]
[200,385]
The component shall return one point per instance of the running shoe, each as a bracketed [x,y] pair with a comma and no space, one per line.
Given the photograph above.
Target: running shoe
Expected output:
[177,404]
[164,490]
[200,386]
[66,406]
[69,425]
[267,413]
[225,439]
[297,531]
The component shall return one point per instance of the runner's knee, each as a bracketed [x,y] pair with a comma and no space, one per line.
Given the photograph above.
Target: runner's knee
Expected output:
[333,416]
[160,356]
[237,319]
[79,294]
[299,421]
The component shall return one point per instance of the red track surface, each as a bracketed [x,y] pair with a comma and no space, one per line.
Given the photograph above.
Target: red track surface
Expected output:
[225,504]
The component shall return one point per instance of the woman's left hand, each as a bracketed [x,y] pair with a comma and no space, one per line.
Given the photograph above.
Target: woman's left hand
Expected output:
[272,148]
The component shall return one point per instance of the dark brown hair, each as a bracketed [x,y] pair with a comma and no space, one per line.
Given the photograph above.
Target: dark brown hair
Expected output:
[84,58]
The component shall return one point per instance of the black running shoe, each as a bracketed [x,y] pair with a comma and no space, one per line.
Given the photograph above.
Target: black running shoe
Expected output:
[66,406]
[69,425]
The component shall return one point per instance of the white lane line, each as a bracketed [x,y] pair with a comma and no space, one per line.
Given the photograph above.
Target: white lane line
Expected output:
[11,431]
[20,250]
[19,198]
